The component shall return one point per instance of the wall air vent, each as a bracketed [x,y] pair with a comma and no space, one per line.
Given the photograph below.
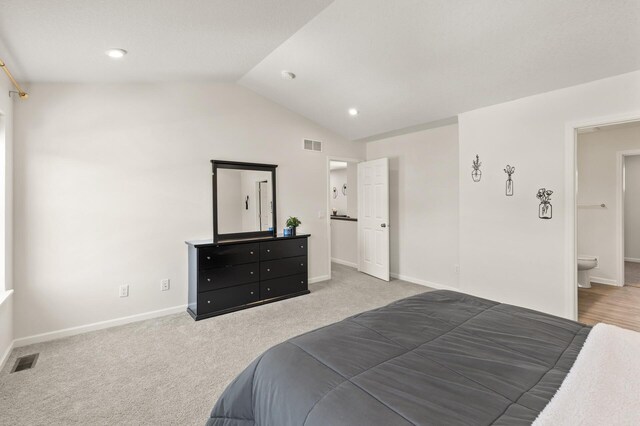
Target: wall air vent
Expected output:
[25,362]
[310,145]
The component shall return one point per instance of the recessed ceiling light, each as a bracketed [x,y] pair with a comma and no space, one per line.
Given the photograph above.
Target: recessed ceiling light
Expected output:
[287,75]
[353,111]
[115,53]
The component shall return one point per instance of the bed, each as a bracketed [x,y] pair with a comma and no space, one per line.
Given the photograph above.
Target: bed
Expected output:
[436,358]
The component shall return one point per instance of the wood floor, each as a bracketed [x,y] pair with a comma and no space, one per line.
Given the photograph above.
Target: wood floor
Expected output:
[612,304]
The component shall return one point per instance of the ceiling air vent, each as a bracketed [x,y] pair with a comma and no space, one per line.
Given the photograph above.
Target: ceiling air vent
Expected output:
[310,145]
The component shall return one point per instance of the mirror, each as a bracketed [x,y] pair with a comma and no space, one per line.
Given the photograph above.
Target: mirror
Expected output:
[244,200]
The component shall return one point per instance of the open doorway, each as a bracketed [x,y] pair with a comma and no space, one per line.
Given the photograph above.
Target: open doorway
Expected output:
[608,224]
[631,215]
[342,212]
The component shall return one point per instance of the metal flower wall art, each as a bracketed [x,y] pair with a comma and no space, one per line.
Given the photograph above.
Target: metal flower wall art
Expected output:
[509,188]
[545,210]
[476,174]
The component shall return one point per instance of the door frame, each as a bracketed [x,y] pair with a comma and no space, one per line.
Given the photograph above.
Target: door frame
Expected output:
[620,179]
[570,186]
[331,158]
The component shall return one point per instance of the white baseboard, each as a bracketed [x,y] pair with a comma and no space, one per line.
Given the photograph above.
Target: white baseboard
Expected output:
[606,281]
[413,280]
[319,279]
[344,262]
[72,331]
[6,354]
[631,259]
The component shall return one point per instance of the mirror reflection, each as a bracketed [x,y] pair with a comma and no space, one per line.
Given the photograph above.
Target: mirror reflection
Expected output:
[245,202]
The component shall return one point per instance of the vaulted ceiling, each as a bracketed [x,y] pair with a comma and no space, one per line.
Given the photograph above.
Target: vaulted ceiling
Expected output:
[400,63]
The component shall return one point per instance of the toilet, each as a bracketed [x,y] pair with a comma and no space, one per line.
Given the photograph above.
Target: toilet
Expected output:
[585,265]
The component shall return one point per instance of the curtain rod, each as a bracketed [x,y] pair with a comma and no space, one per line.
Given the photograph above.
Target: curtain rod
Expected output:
[21,93]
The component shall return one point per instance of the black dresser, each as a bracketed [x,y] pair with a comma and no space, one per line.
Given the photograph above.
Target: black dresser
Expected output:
[231,275]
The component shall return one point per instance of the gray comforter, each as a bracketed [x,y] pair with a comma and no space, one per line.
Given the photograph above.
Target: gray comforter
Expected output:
[438,358]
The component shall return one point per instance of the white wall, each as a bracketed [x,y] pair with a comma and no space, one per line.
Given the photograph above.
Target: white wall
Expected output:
[344,242]
[337,178]
[423,204]
[506,252]
[6,224]
[111,179]
[597,180]
[632,206]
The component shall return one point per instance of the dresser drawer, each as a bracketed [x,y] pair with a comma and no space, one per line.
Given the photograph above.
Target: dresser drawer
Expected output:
[226,298]
[212,279]
[283,267]
[283,248]
[283,286]
[217,257]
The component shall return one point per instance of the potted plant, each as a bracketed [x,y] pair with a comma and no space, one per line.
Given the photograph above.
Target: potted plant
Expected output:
[545,210]
[292,223]
[476,174]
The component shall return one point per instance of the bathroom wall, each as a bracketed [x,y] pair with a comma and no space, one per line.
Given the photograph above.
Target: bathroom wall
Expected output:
[597,167]
[352,189]
[338,178]
[344,242]
[632,209]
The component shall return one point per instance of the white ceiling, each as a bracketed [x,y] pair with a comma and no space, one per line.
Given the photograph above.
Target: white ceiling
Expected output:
[65,40]
[401,63]
[407,62]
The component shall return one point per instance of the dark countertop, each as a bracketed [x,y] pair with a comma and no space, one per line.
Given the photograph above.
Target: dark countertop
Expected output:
[209,242]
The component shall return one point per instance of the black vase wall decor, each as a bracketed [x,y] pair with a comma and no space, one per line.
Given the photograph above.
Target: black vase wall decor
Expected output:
[509,170]
[476,174]
[545,209]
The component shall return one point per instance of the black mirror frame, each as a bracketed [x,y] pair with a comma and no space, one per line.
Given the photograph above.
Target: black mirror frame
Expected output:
[220,164]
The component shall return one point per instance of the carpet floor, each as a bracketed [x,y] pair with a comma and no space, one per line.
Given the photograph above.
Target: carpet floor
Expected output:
[171,370]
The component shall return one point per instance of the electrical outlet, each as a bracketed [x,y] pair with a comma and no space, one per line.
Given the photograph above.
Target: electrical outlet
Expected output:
[124,290]
[164,284]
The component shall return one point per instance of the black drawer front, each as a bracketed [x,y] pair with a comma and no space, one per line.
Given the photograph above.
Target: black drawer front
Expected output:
[217,257]
[212,279]
[283,267]
[283,248]
[226,298]
[283,286]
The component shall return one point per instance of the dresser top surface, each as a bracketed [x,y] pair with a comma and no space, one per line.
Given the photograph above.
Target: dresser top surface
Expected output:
[210,243]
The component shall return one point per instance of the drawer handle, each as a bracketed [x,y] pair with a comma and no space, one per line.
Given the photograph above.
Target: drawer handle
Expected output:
[208,257]
[268,289]
[301,246]
[268,251]
[209,279]
[268,270]
[250,252]
[302,264]
[208,301]
[301,282]
[251,272]
[251,292]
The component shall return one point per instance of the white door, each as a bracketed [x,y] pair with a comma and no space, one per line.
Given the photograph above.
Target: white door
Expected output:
[373,218]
